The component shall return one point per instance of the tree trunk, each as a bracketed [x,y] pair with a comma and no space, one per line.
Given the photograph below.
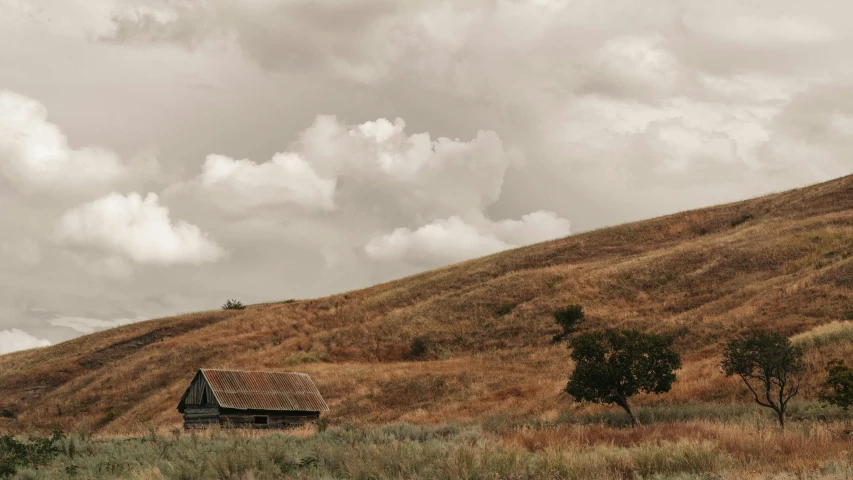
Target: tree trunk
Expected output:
[634,420]
[781,414]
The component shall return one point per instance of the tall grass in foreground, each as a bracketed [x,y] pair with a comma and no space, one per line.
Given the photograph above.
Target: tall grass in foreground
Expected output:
[681,449]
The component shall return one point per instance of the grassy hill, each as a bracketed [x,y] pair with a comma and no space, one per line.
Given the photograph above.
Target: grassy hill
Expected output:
[782,262]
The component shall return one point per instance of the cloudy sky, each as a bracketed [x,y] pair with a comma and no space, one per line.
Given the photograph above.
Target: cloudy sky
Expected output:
[161,156]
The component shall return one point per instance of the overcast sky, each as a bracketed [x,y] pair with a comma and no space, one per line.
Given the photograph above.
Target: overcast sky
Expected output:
[161,156]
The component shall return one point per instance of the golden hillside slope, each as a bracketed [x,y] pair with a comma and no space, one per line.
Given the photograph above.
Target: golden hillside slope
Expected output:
[780,262]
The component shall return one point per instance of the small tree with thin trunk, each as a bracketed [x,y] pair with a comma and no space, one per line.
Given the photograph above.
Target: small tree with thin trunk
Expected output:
[838,387]
[613,365]
[770,366]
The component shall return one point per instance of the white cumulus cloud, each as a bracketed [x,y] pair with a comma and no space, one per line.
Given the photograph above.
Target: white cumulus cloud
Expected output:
[14,339]
[35,153]
[374,166]
[401,176]
[287,178]
[532,228]
[138,228]
[453,239]
[443,241]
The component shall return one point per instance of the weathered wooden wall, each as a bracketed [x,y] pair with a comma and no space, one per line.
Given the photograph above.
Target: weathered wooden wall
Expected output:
[201,416]
[211,415]
[199,392]
[276,419]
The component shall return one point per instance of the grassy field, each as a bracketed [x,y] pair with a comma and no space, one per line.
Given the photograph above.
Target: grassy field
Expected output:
[469,344]
[692,441]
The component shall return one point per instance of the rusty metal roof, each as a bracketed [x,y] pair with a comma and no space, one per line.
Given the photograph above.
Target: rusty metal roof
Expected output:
[247,390]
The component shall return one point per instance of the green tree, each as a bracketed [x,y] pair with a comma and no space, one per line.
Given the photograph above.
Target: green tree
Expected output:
[769,365]
[614,365]
[568,318]
[838,388]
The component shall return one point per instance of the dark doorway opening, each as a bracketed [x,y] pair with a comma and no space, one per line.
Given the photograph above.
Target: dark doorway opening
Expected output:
[262,420]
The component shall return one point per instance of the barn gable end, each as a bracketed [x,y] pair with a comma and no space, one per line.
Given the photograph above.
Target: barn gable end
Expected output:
[198,393]
[199,404]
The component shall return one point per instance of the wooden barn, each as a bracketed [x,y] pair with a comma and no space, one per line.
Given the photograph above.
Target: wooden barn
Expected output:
[238,398]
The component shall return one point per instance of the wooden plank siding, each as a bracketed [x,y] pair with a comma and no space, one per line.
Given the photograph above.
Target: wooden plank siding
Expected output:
[199,392]
[275,419]
[201,416]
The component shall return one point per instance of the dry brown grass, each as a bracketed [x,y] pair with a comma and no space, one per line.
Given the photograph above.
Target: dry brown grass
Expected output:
[757,450]
[781,262]
[752,448]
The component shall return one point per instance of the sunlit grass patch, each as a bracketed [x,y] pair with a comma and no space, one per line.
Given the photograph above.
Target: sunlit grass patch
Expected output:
[830,333]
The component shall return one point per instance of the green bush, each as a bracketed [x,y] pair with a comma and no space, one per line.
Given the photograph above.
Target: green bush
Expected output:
[742,219]
[569,319]
[32,453]
[505,309]
[233,305]
[420,347]
[838,388]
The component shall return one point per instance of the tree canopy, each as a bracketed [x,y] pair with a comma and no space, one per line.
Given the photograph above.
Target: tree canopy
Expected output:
[769,365]
[613,365]
[838,388]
